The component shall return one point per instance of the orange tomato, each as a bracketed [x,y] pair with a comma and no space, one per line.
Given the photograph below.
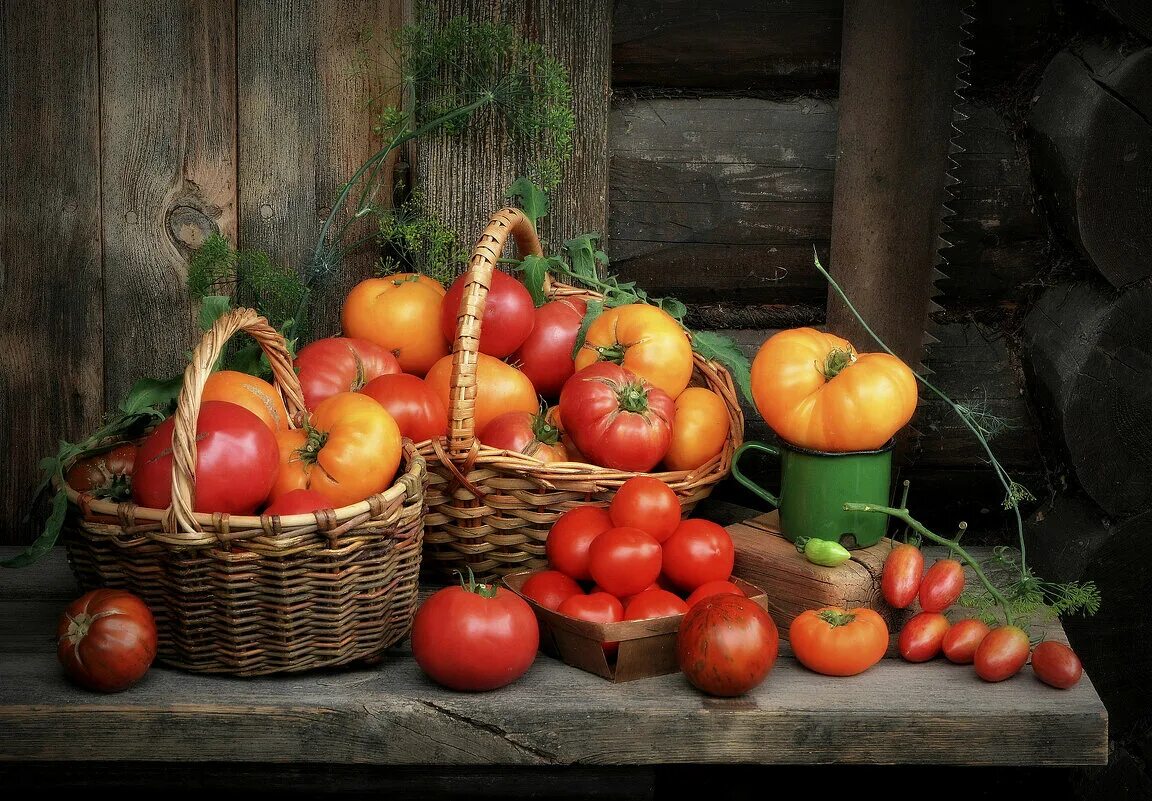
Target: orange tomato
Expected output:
[644,339]
[349,451]
[500,388]
[838,642]
[401,313]
[699,429]
[817,392]
[254,394]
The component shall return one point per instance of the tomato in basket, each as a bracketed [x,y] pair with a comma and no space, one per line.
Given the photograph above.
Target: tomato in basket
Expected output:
[509,313]
[546,355]
[340,364]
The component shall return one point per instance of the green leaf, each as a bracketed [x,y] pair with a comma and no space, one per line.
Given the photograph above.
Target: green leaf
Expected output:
[531,199]
[535,270]
[582,253]
[595,309]
[720,348]
[674,308]
[149,396]
[43,544]
[212,308]
[250,359]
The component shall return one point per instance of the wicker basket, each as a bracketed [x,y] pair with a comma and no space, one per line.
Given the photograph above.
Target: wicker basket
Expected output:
[251,595]
[489,509]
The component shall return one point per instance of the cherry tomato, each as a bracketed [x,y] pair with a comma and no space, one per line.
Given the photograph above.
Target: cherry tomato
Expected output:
[699,430]
[624,560]
[838,642]
[567,544]
[597,607]
[1001,653]
[509,313]
[962,640]
[417,409]
[546,355]
[923,636]
[1057,665]
[105,475]
[710,588]
[550,588]
[900,581]
[941,585]
[106,640]
[299,502]
[654,603]
[648,504]
[727,645]
[698,551]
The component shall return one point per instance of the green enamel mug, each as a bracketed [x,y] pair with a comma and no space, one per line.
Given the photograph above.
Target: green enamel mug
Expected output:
[815,485]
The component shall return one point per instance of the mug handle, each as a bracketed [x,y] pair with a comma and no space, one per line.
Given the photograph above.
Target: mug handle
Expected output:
[747,482]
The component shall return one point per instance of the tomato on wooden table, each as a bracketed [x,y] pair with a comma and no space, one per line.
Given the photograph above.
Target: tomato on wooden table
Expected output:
[727,644]
[595,607]
[648,504]
[570,537]
[838,642]
[528,433]
[254,394]
[1001,653]
[546,355]
[962,640]
[550,588]
[900,580]
[624,560]
[643,339]
[699,431]
[699,551]
[416,408]
[340,364]
[106,640]
[106,475]
[1057,665]
[500,388]
[922,636]
[399,314]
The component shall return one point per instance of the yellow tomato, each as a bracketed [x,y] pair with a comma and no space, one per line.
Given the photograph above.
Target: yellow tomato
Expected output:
[401,313]
[644,339]
[699,430]
[254,394]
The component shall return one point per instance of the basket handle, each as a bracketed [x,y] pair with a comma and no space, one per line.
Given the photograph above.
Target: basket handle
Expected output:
[179,516]
[462,384]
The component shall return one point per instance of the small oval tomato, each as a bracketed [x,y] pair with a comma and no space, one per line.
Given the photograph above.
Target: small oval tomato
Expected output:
[340,364]
[527,433]
[941,585]
[570,536]
[698,551]
[727,645]
[654,603]
[710,588]
[299,502]
[624,561]
[645,340]
[418,411]
[900,581]
[596,607]
[546,355]
[106,640]
[254,394]
[1001,653]
[923,636]
[962,640]
[550,588]
[1057,665]
[500,388]
[699,430]
[509,313]
[398,313]
[105,475]
[838,642]
[648,504]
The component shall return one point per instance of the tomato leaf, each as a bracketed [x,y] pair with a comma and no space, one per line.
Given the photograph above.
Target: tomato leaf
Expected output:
[720,348]
[152,397]
[595,309]
[531,199]
[582,254]
[674,308]
[43,544]
[535,269]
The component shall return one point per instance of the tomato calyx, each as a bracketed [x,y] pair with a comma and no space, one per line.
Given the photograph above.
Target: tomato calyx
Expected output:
[475,587]
[837,360]
[835,618]
[544,432]
[611,353]
[632,398]
[79,625]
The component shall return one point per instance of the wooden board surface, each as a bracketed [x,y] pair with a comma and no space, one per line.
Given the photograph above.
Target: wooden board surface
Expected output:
[392,714]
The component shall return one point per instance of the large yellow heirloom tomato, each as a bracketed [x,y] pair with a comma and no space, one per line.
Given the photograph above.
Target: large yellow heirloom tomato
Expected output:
[399,313]
[817,392]
[644,339]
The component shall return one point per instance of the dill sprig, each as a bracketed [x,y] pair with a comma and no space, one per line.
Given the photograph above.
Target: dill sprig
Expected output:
[412,239]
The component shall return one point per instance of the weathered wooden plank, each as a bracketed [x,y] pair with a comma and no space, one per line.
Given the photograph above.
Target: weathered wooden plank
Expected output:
[51,342]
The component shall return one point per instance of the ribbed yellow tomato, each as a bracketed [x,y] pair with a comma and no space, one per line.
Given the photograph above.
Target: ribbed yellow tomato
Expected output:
[644,339]
[699,431]
[400,314]
[254,394]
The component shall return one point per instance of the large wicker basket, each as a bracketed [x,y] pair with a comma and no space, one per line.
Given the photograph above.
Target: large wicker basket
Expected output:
[489,510]
[251,595]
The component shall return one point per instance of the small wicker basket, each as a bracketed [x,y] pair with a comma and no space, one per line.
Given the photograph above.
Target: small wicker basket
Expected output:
[489,510]
[252,595]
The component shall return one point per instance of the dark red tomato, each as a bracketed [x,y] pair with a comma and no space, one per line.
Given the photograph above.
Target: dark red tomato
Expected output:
[105,475]
[698,552]
[903,570]
[941,585]
[546,355]
[528,433]
[237,460]
[509,314]
[340,364]
[416,408]
[962,640]
[1001,653]
[597,607]
[1057,665]
[710,588]
[550,588]
[476,637]
[106,640]
[654,603]
[299,502]
[923,636]
[727,644]
[624,560]
[571,535]
[648,504]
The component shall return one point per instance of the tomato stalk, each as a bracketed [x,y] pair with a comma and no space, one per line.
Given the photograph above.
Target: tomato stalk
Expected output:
[836,619]
[838,359]
[633,398]
[475,587]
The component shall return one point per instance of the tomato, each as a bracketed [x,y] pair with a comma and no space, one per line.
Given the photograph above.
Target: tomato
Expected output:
[962,640]
[254,394]
[698,551]
[941,585]
[727,645]
[597,607]
[550,588]
[553,418]
[106,640]
[570,537]
[654,603]
[1057,665]
[624,560]
[527,433]
[340,364]
[416,408]
[648,504]
[616,418]
[236,462]
[1001,653]
[923,636]
[509,313]
[838,642]
[299,502]
[475,637]
[645,340]
[710,588]
[500,388]
[349,451]
[900,581]
[105,475]
[546,355]
[699,431]
[399,314]
[816,391]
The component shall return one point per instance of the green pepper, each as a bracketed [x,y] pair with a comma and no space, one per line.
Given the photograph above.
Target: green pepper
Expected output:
[822,552]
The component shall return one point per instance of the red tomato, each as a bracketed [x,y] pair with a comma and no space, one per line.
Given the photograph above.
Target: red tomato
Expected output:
[299,502]
[923,636]
[569,538]
[550,588]
[1057,665]
[597,607]
[962,640]
[624,561]
[475,637]
[648,504]
[236,462]
[1001,653]
[727,645]
[546,355]
[340,364]
[105,475]
[838,642]
[698,551]
[509,314]
[616,418]
[106,640]
[710,588]
[528,433]
[942,585]
[417,410]
[900,581]
[654,603]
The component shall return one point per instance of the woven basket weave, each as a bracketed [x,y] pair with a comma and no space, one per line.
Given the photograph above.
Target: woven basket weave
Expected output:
[489,510]
[252,595]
